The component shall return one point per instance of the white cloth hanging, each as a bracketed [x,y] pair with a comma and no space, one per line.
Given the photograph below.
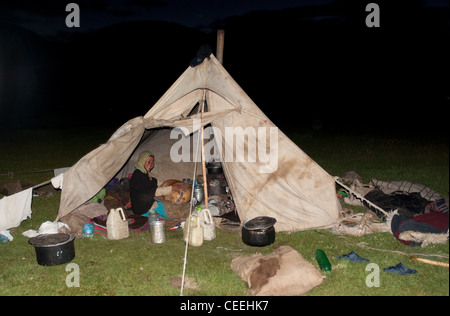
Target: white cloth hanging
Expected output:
[57,181]
[15,208]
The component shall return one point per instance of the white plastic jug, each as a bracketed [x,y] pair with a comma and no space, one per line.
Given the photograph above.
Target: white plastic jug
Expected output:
[209,229]
[195,229]
[117,225]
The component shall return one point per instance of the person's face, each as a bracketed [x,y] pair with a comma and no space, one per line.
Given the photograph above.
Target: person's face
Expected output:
[149,163]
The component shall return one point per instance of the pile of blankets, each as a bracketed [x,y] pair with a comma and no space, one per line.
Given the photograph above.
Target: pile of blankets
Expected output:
[418,215]
[428,227]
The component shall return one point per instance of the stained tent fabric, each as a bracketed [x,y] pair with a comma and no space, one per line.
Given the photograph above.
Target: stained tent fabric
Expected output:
[267,173]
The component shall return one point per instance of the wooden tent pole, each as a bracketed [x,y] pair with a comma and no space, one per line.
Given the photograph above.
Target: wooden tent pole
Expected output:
[220,44]
[205,182]
[42,184]
[219,53]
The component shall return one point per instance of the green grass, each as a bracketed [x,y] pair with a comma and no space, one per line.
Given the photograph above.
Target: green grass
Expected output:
[135,266]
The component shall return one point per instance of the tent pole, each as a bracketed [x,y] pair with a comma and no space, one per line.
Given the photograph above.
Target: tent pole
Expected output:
[205,182]
[220,44]
[42,184]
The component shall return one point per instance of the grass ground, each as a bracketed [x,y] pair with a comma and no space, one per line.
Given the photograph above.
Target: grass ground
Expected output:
[135,266]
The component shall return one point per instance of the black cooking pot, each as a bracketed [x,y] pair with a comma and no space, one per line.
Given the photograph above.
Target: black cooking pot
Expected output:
[53,249]
[259,231]
[214,167]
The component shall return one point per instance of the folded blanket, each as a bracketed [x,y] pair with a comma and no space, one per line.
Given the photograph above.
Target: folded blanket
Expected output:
[421,230]
[440,205]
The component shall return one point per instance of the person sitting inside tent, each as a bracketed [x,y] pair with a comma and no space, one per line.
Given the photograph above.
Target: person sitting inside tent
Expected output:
[144,187]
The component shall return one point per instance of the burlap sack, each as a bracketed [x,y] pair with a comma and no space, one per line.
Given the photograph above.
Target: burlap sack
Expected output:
[283,272]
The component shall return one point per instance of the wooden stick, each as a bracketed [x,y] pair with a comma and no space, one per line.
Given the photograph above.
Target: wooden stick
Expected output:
[360,196]
[433,262]
[205,182]
[220,44]
[219,55]
[41,184]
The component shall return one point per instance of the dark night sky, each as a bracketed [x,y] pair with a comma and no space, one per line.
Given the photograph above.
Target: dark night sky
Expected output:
[47,16]
[318,57]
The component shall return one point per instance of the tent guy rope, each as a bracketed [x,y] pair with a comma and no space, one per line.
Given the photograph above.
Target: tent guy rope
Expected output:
[365,245]
[192,195]
[187,232]
[11,174]
[220,44]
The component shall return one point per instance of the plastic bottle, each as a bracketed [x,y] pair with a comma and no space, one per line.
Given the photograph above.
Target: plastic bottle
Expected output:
[342,194]
[88,230]
[195,229]
[323,261]
[209,229]
[3,238]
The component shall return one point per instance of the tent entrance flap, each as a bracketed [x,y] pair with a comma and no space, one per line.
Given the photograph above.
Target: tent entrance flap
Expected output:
[175,153]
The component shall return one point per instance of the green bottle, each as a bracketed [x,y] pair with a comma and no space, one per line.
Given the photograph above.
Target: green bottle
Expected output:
[323,261]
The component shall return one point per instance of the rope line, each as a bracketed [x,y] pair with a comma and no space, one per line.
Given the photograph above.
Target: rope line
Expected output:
[11,174]
[191,206]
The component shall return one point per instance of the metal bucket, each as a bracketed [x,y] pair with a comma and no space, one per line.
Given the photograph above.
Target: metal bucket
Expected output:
[158,232]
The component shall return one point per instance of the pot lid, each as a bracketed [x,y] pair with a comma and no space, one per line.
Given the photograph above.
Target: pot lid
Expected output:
[214,164]
[260,222]
[50,240]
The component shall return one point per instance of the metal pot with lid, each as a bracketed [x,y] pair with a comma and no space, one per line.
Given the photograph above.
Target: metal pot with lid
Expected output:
[53,249]
[214,167]
[259,231]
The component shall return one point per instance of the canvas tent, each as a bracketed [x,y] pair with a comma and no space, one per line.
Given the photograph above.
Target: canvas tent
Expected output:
[273,178]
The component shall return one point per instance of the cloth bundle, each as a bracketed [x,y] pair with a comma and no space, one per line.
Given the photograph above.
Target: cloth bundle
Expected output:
[429,227]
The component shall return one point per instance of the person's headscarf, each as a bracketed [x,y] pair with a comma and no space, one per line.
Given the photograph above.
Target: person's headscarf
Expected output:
[141,161]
